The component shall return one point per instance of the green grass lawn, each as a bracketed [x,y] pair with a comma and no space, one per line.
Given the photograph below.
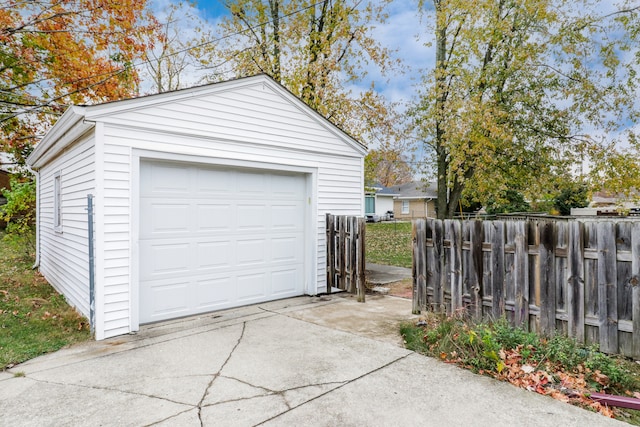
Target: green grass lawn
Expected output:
[389,243]
[34,318]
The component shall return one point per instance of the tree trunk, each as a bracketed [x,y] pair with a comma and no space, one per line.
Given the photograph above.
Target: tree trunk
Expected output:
[441,151]
[275,19]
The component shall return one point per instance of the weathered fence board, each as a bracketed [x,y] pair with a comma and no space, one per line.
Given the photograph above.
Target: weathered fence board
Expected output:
[575,297]
[635,284]
[607,295]
[521,274]
[346,254]
[581,278]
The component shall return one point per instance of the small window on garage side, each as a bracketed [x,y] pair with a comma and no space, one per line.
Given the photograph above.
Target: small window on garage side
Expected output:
[57,202]
[405,206]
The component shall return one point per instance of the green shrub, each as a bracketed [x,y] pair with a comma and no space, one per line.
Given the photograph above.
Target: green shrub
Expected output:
[481,347]
[20,214]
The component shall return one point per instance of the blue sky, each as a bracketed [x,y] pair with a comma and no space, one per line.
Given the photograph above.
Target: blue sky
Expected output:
[211,9]
[399,33]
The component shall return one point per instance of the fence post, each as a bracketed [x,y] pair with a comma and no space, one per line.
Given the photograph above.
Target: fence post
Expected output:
[331,255]
[419,264]
[360,255]
[342,233]
[352,223]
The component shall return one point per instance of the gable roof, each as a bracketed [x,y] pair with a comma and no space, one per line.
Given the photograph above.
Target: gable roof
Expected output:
[416,190]
[380,190]
[78,120]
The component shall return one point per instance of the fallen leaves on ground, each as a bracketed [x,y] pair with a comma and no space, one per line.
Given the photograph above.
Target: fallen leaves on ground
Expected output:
[546,379]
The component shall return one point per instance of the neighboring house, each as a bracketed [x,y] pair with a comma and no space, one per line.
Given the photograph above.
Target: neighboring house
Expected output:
[607,204]
[378,201]
[415,199]
[205,198]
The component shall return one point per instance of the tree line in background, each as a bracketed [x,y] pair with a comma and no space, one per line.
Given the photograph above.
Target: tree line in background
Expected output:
[523,95]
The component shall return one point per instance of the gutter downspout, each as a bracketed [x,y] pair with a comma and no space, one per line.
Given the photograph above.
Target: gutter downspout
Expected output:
[36,263]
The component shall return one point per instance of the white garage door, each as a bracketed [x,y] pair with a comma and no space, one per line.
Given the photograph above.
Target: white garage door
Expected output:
[213,238]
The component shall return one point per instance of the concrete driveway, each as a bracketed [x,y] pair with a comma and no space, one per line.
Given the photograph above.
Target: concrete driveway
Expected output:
[305,361]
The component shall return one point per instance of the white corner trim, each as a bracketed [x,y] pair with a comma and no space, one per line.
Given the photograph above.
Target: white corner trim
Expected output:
[98,217]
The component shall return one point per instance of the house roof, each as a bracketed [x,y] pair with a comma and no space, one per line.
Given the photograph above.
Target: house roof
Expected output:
[380,190]
[386,191]
[416,190]
[608,199]
[77,120]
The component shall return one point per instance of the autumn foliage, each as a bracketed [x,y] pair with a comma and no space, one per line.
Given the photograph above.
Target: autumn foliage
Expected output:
[553,366]
[61,52]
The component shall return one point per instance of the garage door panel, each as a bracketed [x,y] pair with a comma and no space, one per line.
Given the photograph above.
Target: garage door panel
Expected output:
[164,258]
[252,216]
[283,281]
[287,216]
[286,249]
[217,254]
[251,252]
[214,182]
[214,217]
[164,179]
[233,237]
[166,218]
[213,292]
[283,187]
[171,299]
[249,184]
[252,286]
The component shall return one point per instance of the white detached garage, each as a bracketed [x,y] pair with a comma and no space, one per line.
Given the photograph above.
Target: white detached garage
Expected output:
[205,198]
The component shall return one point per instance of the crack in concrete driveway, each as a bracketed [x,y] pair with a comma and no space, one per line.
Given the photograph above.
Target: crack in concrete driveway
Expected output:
[301,361]
[215,376]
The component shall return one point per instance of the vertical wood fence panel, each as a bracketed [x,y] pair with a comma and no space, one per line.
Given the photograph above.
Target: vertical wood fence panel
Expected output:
[575,270]
[581,278]
[346,254]
[521,275]
[607,295]
[635,284]
[419,266]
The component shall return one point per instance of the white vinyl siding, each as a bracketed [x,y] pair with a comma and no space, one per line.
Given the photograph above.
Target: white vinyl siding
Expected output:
[255,114]
[64,260]
[117,238]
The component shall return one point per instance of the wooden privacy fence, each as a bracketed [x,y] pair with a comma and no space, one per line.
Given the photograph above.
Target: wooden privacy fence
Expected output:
[580,278]
[345,254]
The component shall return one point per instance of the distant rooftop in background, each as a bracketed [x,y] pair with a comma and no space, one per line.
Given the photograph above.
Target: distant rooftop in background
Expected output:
[416,190]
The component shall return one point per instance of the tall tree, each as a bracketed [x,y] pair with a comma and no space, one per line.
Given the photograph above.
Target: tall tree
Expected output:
[175,60]
[387,168]
[317,49]
[59,52]
[515,88]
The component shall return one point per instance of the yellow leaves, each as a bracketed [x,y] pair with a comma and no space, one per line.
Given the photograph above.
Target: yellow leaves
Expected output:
[64,53]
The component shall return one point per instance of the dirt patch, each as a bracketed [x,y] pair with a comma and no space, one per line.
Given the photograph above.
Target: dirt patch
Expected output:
[402,288]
